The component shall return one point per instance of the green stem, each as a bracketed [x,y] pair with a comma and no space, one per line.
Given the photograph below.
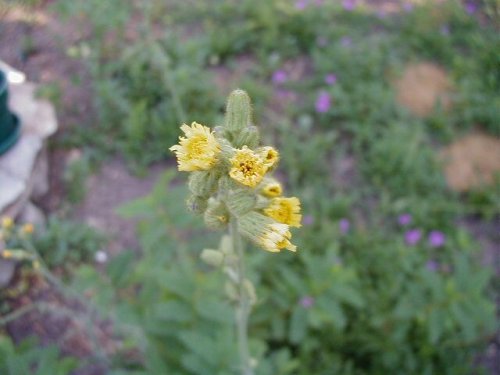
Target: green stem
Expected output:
[243,307]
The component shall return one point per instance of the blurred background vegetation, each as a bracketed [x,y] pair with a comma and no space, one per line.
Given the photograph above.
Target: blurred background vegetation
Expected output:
[377,107]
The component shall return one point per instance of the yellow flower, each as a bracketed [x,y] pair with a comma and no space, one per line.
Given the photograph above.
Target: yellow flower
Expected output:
[265,232]
[272,189]
[198,150]
[277,237]
[247,167]
[269,155]
[7,222]
[285,210]
[28,228]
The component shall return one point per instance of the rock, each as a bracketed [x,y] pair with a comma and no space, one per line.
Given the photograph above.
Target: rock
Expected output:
[12,188]
[7,268]
[421,87]
[471,161]
[20,159]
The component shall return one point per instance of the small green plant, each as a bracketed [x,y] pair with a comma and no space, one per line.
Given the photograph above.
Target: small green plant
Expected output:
[231,186]
[30,358]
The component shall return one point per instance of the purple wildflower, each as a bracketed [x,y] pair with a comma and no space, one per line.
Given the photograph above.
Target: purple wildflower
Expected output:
[408,7]
[301,4]
[436,238]
[413,236]
[346,41]
[308,220]
[318,2]
[344,225]
[432,265]
[471,7]
[307,302]
[330,79]
[323,102]
[349,4]
[445,30]
[404,219]
[279,77]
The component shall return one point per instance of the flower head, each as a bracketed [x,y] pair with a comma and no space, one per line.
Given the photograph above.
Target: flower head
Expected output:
[28,228]
[279,77]
[323,102]
[247,167]
[344,225]
[301,4]
[307,302]
[413,236]
[432,265]
[198,150]
[269,156]
[436,238]
[330,79]
[271,189]
[349,4]
[404,219]
[265,232]
[285,210]
[7,222]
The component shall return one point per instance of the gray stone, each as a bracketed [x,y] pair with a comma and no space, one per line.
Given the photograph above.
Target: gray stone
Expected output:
[7,268]
[37,115]
[11,188]
[40,178]
[20,159]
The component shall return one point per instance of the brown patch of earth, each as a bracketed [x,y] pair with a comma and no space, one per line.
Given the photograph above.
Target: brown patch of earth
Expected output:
[471,161]
[422,87]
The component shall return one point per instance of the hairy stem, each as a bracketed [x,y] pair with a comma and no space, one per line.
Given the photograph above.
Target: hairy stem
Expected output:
[243,307]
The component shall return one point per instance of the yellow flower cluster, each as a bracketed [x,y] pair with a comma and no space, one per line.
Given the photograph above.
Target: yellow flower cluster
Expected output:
[232,181]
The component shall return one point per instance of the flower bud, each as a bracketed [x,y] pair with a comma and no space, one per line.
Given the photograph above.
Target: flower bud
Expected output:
[212,257]
[203,183]
[241,201]
[238,111]
[197,204]
[216,215]
[248,136]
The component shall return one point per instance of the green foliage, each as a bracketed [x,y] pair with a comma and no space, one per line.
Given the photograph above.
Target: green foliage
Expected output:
[374,307]
[66,243]
[27,358]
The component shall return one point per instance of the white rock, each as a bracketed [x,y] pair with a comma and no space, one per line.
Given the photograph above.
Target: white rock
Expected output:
[11,189]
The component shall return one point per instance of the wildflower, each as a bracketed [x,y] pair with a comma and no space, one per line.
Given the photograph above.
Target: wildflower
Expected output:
[265,232]
[269,156]
[349,4]
[344,226]
[279,77]
[470,7]
[330,79]
[307,302]
[7,254]
[404,219]
[432,265]
[7,222]
[308,220]
[27,228]
[323,102]
[412,237]
[198,150]
[285,210]
[248,168]
[272,189]
[436,238]
[346,41]
[408,7]
[301,4]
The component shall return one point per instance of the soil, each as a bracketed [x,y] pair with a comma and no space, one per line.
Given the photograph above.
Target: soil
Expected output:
[37,43]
